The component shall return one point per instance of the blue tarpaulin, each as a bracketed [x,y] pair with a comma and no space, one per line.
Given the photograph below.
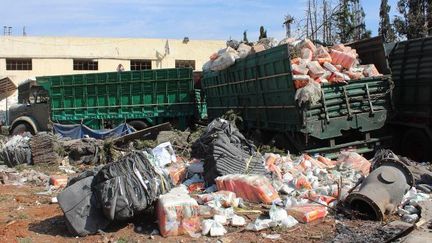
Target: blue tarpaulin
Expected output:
[77,131]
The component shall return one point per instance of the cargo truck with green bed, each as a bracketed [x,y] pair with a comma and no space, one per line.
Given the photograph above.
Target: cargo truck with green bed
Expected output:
[260,88]
[104,100]
[411,65]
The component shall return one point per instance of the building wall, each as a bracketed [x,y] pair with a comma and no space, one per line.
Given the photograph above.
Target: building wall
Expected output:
[54,55]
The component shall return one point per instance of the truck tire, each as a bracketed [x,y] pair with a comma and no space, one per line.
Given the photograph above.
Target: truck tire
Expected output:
[21,128]
[138,125]
[416,145]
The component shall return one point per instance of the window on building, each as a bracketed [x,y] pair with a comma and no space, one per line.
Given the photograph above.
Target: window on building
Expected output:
[18,64]
[140,65]
[185,64]
[85,64]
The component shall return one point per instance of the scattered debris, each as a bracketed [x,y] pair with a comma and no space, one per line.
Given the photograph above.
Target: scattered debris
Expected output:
[308,213]
[58,180]
[177,213]
[83,151]
[381,192]
[16,151]
[45,148]
[253,188]
[12,176]
[225,188]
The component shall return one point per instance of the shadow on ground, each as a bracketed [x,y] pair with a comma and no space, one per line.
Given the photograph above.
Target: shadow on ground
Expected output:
[54,226]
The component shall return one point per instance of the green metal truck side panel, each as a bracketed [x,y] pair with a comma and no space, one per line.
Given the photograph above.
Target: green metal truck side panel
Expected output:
[121,95]
[411,65]
[261,88]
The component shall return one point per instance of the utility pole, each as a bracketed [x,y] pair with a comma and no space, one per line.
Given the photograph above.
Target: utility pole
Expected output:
[288,21]
[307,20]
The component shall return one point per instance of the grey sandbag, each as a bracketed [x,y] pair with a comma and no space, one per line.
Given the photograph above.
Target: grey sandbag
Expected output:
[129,186]
[81,209]
[226,151]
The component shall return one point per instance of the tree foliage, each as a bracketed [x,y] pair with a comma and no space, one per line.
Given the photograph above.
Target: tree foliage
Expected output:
[263,33]
[245,39]
[350,21]
[413,22]
[385,29]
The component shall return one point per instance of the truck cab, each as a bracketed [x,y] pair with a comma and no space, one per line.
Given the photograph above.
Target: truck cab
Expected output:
[32,112]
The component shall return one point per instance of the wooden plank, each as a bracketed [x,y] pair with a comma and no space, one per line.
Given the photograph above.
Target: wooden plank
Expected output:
[147,133]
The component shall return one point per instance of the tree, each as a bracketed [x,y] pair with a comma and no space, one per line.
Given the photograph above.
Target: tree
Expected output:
[413,22]
[350,21]
[245,39]
[263,33]
[429,17]
[385,29]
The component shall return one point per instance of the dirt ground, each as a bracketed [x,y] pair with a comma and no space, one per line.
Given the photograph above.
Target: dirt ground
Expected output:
[28,217]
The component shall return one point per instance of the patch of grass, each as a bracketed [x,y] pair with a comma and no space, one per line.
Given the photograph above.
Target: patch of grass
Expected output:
[21,167]
[123,240]
[22,215]
[142,144]
[24,240]
[4,198]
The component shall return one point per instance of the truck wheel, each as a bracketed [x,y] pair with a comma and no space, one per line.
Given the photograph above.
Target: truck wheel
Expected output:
[138,125]
[22,128]
[416,145]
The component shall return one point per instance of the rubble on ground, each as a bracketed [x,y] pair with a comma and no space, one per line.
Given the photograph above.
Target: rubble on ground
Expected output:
[12,176]
[83,151]
[45,148]
[16,150]
[226,185]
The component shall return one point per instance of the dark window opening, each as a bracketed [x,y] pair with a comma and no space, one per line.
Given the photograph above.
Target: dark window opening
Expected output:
[85,65]
[18,64]
[185,64]
[140,65]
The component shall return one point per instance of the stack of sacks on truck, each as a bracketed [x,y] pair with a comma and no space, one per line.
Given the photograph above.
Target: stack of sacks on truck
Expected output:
[309,62]
[226,57]
[335,64]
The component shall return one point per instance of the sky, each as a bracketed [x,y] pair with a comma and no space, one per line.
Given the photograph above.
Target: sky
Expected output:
[196,19]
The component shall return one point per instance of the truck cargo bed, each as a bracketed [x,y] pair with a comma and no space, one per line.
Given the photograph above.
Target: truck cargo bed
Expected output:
[145,94]
[260,88]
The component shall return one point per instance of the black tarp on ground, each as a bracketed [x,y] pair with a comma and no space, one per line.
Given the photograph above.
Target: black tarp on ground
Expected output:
[226,151]
[117,191]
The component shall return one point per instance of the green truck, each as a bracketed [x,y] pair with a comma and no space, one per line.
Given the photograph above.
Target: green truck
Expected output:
[260,88]
[411,65]
[104,100]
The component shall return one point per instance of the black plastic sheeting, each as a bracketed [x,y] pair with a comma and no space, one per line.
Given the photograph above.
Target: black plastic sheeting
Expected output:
[16,151]
[114,192]
[226,151]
